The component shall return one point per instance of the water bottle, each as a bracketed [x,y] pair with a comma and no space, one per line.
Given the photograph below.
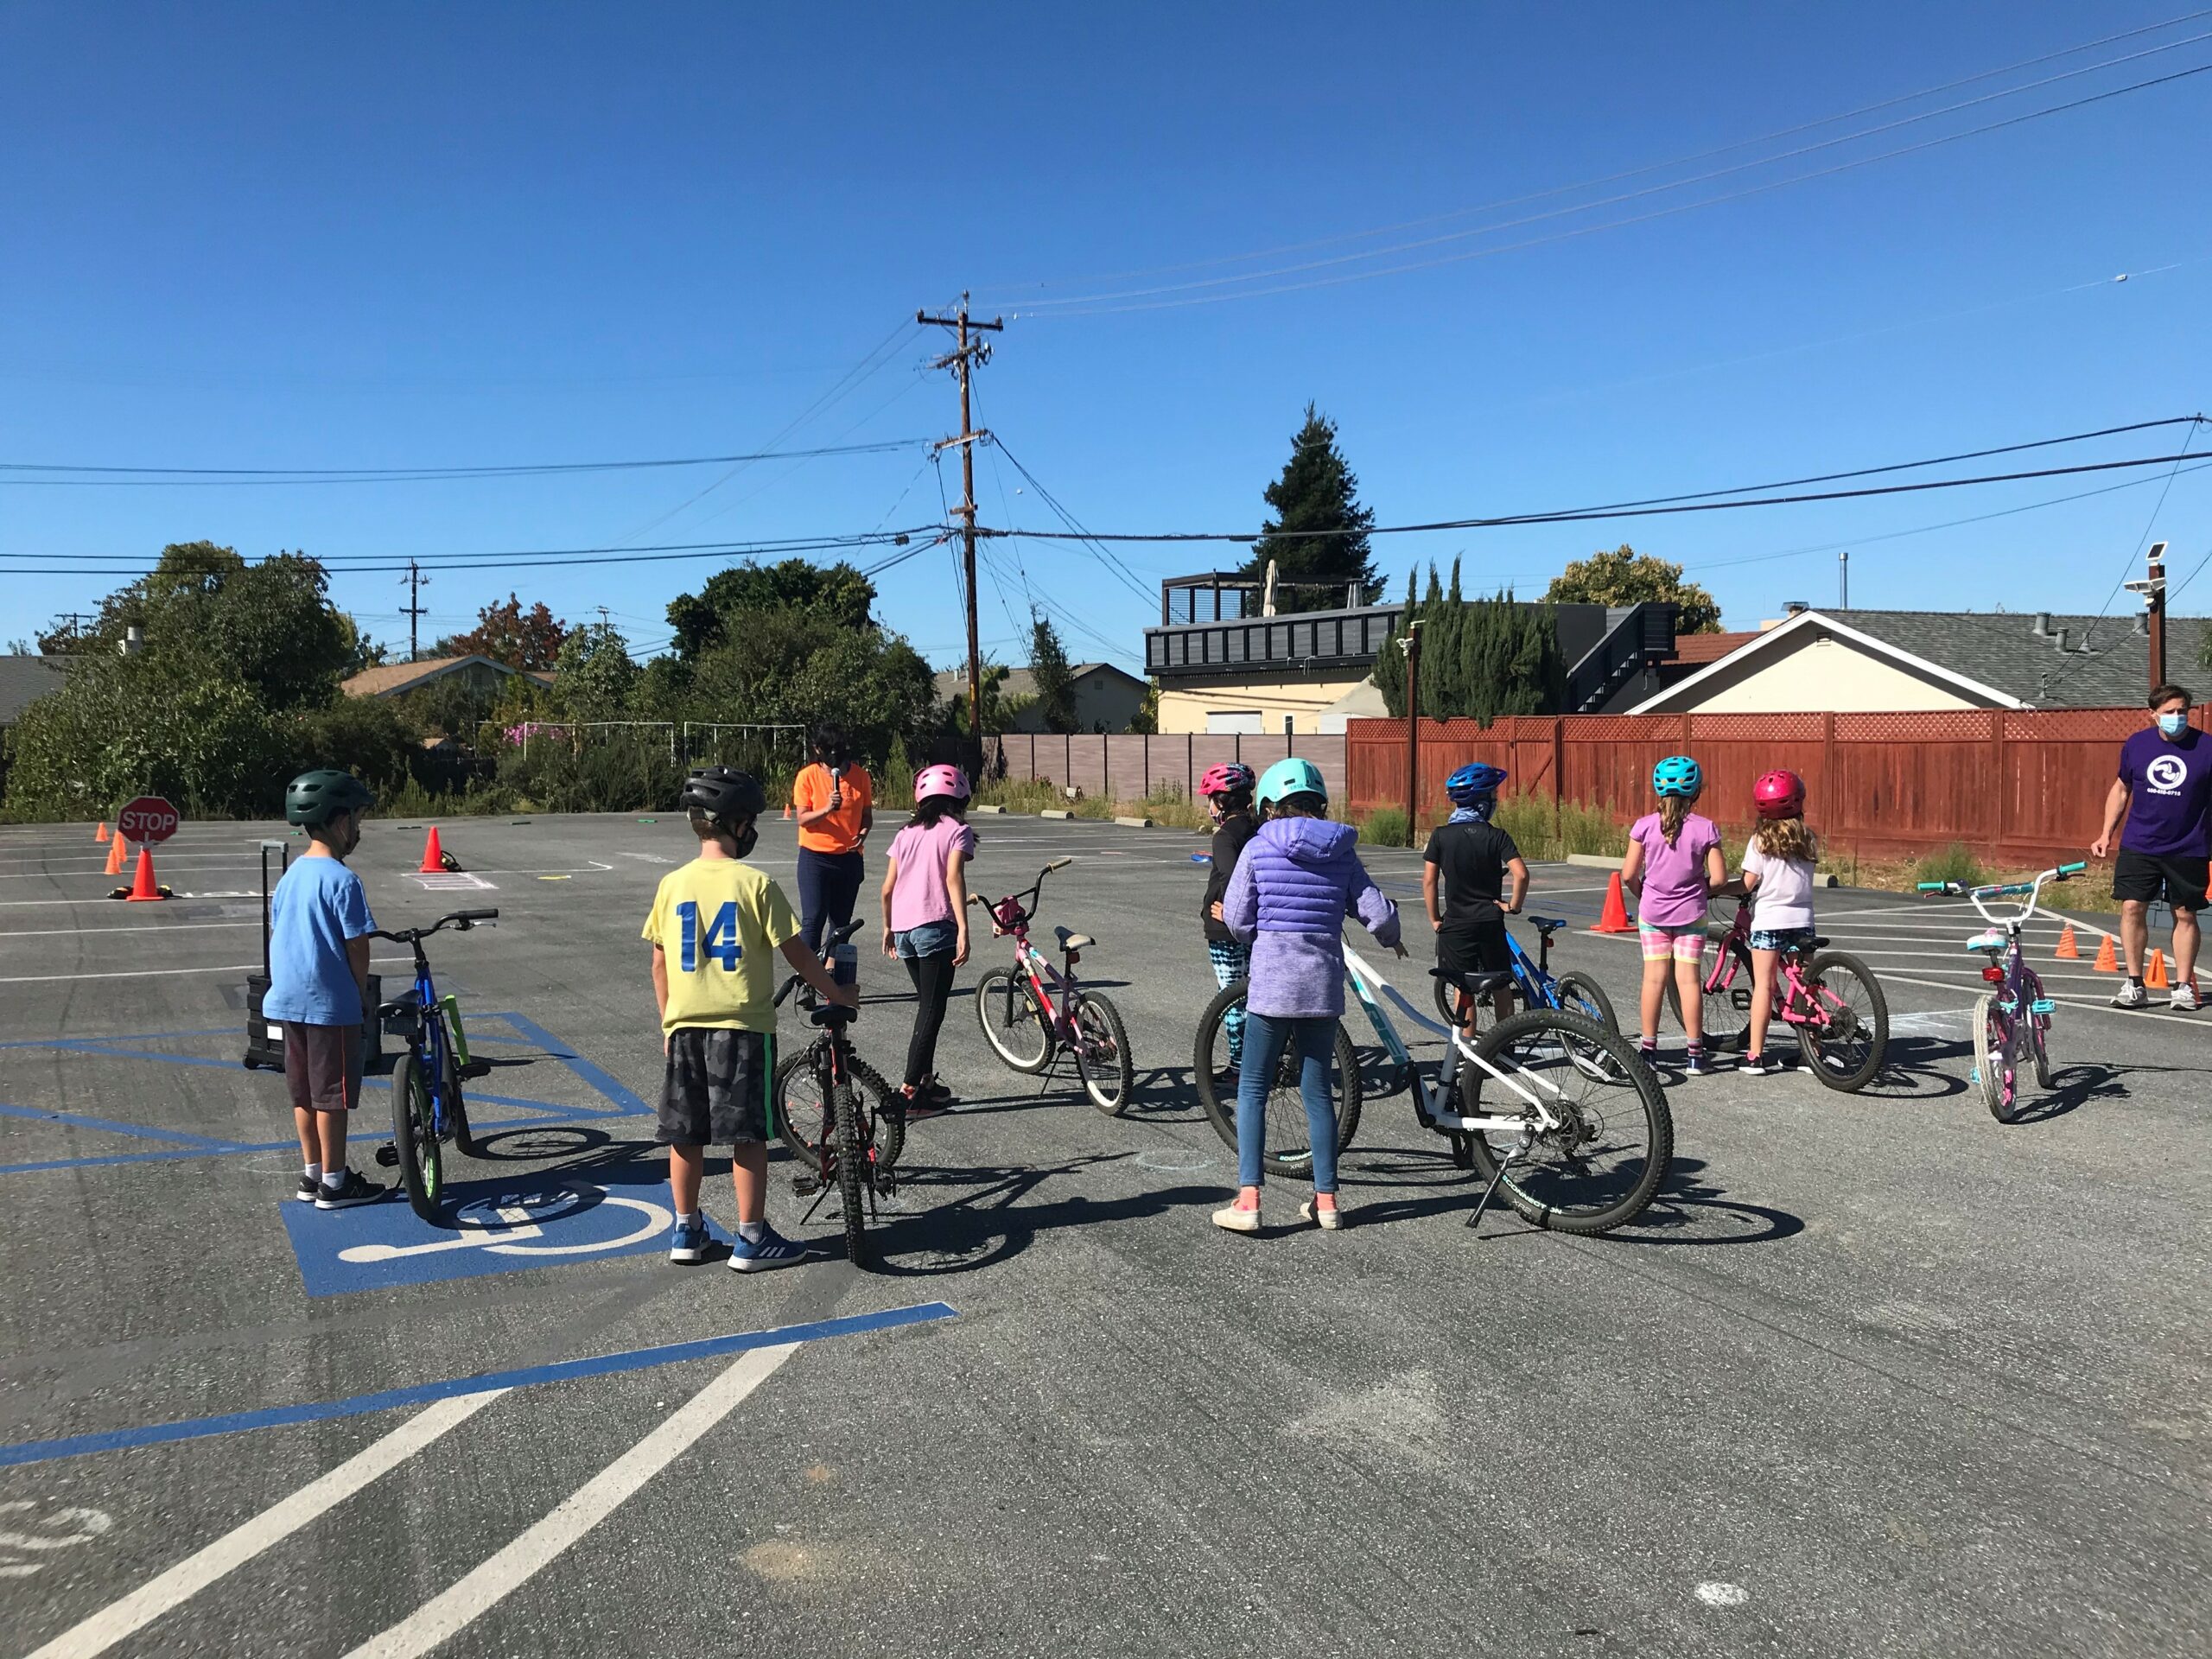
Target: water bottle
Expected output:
[845,963]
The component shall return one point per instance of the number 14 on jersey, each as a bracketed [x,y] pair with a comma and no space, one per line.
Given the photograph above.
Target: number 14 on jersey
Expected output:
[720,943]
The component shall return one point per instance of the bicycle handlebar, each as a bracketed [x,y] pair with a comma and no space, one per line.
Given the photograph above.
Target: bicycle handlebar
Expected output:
[461,921]
[2005,890]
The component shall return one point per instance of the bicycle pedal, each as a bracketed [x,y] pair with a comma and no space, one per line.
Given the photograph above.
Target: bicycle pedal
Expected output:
[2042,1005]
[477,1068]
[804,1187]
[387,1156]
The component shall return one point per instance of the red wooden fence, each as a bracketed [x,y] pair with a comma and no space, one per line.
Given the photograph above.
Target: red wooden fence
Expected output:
[2017,786]
[1128,767]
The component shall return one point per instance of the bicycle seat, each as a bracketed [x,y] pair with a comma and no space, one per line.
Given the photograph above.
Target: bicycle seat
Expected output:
[407,1001]
[1072,941]
[1547,925]
[1989,940]
[1472,984]
[1819,943]
[830,1014]
[844,934]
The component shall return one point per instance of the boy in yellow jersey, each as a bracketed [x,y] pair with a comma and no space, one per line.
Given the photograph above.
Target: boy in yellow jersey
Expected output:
[716,927]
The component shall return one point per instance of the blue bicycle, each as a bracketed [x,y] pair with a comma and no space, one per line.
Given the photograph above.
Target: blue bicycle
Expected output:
[1534,983]
[427,1108]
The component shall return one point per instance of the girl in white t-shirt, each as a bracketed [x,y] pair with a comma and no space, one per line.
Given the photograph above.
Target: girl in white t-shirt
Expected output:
[1778,874]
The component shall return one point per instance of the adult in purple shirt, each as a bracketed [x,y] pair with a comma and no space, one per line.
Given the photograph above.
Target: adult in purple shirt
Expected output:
[2165,789]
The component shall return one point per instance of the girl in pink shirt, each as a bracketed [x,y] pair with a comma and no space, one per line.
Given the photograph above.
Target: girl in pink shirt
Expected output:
[1674,863]
[926,920]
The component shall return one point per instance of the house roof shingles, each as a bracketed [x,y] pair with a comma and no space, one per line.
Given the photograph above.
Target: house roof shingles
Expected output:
[389,677]
[24,680]
[1696,650]
[2002,650]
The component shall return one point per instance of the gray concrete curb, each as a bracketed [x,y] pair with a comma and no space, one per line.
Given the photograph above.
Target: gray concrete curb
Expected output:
[1135,824]
[1595,860]
[1055,812]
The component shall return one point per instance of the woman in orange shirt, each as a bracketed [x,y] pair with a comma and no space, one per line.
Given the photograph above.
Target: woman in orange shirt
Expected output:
[835,803]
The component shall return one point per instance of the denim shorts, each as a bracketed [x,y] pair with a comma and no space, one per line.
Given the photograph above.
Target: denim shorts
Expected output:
[1782,939]
[930,939]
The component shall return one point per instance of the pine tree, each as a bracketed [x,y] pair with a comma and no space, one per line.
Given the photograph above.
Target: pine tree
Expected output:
[1317,491]
[1048,669]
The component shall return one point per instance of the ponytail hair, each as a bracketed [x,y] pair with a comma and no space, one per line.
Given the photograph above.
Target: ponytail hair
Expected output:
[1786,838]
[1673,810]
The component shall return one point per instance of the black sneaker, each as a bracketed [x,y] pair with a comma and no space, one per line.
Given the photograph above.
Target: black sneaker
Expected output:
[352,1191]
[310,1188]
[1693,1063]
[922,1103]
[1763,1066]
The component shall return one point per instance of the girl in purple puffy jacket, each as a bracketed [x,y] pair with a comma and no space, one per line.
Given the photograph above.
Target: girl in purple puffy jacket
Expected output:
[1298,880]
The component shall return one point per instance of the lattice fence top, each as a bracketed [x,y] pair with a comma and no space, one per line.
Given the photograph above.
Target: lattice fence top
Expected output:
[1917,726]
[1756,729]
[2073,725]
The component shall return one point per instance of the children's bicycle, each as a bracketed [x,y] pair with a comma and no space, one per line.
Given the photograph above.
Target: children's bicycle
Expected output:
[844,1149]
[804,1113]
[1831,1000]
[1287,1150]
[427,1108]
[1551,1106]
[1027,1028]
[1534,983]
[2012,1021]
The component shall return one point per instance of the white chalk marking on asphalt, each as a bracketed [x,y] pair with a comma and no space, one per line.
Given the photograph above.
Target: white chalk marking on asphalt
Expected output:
[97,932]
[1723,1595]
[149,973]
[445,1615]
[121,1619]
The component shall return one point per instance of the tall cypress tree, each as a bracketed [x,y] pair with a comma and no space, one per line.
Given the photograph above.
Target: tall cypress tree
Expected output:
[1316,492]
[1389,670]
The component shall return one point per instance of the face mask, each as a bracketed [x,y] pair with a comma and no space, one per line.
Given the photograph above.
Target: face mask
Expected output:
[748,841]
[2174,724]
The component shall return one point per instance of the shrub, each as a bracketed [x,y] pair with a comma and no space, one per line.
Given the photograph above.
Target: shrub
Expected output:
[1956,863]
[1384,827]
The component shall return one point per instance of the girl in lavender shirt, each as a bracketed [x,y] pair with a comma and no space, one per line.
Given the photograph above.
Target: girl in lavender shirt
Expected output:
[1674,863]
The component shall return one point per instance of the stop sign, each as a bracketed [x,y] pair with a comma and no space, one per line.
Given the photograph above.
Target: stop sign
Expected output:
[148,818]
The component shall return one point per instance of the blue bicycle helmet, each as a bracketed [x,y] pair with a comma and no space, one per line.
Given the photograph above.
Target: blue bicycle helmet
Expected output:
[1470,783]
[1678,775]
[1290,776]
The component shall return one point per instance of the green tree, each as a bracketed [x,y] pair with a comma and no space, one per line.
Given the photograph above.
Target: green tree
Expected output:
[1316,492]
[1389,670]
[1625,576]
[595,676]
[507,633]
[838,593]
[1479,659]
[1055,681]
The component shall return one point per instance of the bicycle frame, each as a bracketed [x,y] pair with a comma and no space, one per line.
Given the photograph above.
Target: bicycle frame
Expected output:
[1799,1007]
[1369,987]
[2012,974]
[1010,919]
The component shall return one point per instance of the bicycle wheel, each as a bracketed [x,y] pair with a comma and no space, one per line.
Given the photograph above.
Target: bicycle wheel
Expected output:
[1013,1023]
[1102,1055]
[1600,1165]
[853,1172]
[1580,994]
[1845,1041]
[1727,999]
[422,1167]
[456,1108]
[807,1124]
[1287,1150]
[1992,1058]
[2038,1029]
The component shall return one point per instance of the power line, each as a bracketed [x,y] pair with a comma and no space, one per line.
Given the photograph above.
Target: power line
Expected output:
[151,477]
[2089,634]
[1088,309]
[1615,178]
[1097,550]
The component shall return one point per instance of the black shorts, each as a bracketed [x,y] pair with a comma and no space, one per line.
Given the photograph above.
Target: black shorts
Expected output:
[714,1092]
[322,1066]
[1474,945]
[2148,876]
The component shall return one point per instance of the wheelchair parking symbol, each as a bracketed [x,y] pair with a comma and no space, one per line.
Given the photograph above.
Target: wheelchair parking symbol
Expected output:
[553,1222]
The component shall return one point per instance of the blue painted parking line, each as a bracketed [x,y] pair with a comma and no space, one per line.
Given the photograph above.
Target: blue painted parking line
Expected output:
[362,1405]
[108,1125]
[576,1063]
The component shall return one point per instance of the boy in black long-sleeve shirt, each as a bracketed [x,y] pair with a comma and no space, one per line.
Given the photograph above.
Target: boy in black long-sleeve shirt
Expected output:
[1227,791]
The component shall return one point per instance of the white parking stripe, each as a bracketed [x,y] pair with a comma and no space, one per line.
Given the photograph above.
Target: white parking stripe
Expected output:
[445,1615]
[153,973]
[235,1549]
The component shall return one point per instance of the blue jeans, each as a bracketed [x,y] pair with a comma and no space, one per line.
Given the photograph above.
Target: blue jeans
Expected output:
[1314,1041]
[829,883]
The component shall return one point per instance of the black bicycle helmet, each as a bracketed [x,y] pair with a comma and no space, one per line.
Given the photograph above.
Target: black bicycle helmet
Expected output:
[726,793]
[313,798]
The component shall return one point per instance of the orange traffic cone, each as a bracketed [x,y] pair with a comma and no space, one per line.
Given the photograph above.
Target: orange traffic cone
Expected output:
[141,886]
[2067,950]
[115,856]
[433,857]
[101,834]
[2156,979]
[2108,961]
[788,808]
[1614,918]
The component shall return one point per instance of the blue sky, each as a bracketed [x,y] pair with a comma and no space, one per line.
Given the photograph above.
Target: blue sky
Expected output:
[273,236]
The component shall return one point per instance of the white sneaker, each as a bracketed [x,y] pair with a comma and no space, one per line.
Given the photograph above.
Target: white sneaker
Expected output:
[2183,1000]
[2131,995]
[1234,1220]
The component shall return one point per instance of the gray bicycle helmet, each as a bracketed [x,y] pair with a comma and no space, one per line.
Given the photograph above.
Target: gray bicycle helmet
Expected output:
[725,792]
[313,798]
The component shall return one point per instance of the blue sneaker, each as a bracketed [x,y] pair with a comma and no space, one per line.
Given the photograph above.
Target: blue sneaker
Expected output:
[687,1243]
[771,1250]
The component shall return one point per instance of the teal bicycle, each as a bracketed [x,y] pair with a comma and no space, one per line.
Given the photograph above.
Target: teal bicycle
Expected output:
[2011,1021]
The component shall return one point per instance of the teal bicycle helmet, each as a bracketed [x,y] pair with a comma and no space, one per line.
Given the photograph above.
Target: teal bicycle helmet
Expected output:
[313,798]
[1290,776]
[1678,775]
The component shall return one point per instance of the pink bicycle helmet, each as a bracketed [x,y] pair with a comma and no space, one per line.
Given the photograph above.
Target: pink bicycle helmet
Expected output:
[1230,777]
[1779,795]
[940,781]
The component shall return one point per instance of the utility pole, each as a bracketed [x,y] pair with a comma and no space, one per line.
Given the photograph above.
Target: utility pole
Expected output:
[1413,734]
[414,610]
[2153,590]
[1843,579]
[963,361]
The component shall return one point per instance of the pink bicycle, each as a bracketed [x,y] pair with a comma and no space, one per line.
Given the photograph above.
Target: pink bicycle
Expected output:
[1832,1000]
[1026,1027]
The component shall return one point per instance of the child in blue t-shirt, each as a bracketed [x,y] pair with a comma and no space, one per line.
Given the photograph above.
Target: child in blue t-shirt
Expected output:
[319,928]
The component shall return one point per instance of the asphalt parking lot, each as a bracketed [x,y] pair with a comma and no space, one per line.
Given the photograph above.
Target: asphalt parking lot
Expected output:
[1876,1374]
